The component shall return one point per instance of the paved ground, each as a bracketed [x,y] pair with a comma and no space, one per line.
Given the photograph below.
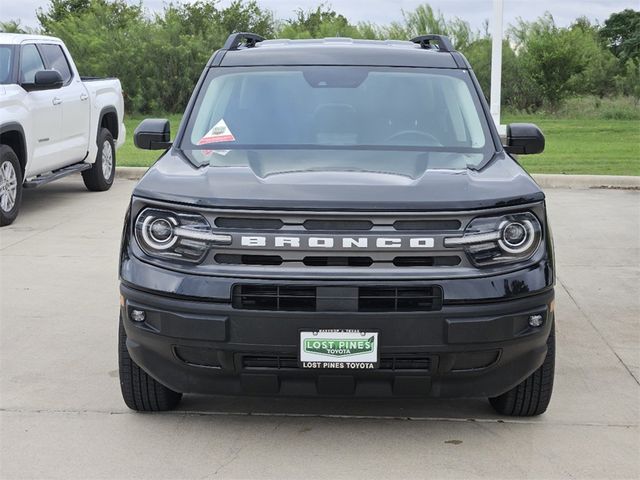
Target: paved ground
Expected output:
[62,416]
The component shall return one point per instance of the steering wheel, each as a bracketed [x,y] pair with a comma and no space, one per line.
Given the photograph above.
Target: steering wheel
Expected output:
[434,142]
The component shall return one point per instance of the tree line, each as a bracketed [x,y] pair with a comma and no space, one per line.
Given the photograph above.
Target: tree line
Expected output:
[159,57]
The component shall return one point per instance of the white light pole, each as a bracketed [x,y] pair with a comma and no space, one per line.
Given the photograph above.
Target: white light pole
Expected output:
[496,64]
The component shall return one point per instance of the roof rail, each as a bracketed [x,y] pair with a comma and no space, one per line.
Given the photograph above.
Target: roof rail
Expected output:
[236,39]
[444,44]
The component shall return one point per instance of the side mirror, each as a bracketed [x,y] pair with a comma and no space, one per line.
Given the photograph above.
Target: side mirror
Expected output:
[153,134]
[44,80]
[524,139]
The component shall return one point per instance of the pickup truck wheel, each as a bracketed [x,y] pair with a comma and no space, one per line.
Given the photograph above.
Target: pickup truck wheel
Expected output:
[10,185]
[139,390]
[100,176]
[532,396]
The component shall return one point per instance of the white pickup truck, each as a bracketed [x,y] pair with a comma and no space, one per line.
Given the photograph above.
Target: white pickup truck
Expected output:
[52,121]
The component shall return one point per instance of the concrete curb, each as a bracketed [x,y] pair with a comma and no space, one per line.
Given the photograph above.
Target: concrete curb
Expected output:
[545,180]
[130,173]
[548,180]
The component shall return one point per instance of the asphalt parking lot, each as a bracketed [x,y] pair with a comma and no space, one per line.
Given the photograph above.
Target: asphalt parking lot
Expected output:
[61,414]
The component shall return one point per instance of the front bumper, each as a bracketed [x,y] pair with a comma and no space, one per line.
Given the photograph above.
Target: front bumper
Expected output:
[463,350]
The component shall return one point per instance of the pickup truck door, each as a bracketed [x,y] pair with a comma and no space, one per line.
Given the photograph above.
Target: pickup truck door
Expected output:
[45,112]
[76,111]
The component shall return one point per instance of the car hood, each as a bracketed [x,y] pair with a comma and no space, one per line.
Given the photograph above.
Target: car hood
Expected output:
[268,185]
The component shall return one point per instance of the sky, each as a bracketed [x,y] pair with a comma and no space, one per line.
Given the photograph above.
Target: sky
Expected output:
[386,11]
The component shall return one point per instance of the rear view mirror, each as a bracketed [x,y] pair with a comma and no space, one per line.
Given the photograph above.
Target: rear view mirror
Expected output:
[44,80]
[153,134]
[524,139]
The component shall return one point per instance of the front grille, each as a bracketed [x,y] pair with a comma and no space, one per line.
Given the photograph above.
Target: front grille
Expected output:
[249,223]
[398,362]
[341,298]
[274,297]
[427,261]
[225,258]
[269,361]
[389,242]
[337,225]
[338,261]
[428,225]
[399,299]
[333,225]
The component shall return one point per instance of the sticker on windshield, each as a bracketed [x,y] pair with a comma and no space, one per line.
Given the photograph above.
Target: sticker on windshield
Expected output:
[219,133]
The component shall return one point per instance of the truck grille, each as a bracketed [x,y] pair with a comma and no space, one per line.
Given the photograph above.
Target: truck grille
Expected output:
[399,362]
[335,225]
[274,297]
[339,261]
[337,298]
[399,299]
[337,242]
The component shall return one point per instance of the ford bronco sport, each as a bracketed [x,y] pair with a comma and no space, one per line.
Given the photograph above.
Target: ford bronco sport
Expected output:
[337,217]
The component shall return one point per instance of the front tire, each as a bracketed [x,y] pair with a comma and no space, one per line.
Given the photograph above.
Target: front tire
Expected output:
[140,391]
[10,185]
[532,396]
[100,176]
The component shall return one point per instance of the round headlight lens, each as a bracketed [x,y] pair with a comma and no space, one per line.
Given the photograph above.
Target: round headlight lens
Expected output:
[157,232]
[160,230]
[516,236]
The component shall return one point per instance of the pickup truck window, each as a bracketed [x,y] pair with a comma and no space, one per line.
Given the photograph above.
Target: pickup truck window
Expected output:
[56,60]
[342,108]
[30,63]
[6,61]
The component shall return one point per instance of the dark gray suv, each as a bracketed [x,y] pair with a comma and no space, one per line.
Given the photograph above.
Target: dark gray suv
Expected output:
[337,217]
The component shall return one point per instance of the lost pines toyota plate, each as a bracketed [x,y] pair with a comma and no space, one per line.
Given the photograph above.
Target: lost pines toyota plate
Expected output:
[341,349]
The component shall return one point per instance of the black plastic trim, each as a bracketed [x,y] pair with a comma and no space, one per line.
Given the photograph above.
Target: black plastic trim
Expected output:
[444,44]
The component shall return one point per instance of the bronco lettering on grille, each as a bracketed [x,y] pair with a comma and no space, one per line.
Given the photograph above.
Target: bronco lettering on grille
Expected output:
[337,242]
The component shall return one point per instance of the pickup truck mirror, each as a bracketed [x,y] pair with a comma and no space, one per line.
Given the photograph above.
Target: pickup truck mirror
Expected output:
[524,139]
[153,134]
[44,80]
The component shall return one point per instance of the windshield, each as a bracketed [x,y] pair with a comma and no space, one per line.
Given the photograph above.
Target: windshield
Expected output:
[6,62]
[356,113]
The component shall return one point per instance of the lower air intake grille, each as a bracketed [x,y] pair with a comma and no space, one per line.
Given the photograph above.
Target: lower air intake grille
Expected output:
[404,361]
[310,298]
[399,299]
[274,297]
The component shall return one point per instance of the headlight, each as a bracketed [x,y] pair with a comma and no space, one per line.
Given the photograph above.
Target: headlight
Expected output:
[175,235]
[508,238]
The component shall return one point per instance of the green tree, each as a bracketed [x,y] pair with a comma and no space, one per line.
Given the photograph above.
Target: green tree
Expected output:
[599,65]
[549,58]
[247,17]
[424,19]
[513,91]
[13,26]
[621,32]
[319,23]
[628,82]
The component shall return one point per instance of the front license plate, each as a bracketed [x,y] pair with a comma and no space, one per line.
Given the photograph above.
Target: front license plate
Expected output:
[339,349]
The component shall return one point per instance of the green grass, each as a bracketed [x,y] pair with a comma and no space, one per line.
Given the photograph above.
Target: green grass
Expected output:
[584,146]
[129,155]
[575,146]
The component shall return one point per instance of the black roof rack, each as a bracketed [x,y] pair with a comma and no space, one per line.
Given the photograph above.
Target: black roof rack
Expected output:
[236,39]
[444,44]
